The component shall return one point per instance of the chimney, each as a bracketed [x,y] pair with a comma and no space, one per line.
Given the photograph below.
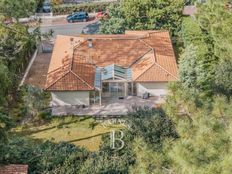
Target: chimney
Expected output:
[72,42]
[90,43]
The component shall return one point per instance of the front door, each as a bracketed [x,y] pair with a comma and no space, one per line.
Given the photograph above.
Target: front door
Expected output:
[117,89]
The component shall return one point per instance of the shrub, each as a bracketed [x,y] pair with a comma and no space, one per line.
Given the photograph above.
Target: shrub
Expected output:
[151,124]
[43,157]
[70,8]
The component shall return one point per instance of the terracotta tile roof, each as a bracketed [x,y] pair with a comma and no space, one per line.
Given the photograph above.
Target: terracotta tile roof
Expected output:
[14,169]
[148,53]
[143,64]
[66,74]
[106,51]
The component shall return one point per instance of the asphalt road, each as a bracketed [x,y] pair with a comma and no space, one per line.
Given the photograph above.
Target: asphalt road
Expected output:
[72,29]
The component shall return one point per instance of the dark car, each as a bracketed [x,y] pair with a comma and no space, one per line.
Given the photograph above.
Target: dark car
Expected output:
[78,16]
[47,7]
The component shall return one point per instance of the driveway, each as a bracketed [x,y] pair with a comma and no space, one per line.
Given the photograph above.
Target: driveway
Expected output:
[61,27]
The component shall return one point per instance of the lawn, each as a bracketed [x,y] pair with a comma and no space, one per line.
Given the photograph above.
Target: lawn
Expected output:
[82,131]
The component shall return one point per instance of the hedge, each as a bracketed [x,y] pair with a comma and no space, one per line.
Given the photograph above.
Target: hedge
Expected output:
[193,35]
[70,8]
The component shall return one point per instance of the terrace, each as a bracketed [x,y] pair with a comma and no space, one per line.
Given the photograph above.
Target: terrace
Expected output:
[109,107]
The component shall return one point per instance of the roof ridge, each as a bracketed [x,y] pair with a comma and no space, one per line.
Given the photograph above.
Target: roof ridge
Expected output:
[166,70]
[145,71]
[150,66]
[57,80]
[140,58]
[81,79]
[169,38]
[73,52]
[88,59]
[54,70]
[145,43]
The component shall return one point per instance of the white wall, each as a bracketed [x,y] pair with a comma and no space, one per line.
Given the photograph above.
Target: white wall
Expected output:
[155,89]
[70,98]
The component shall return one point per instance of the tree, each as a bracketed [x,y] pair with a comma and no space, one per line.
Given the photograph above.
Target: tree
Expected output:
[115,24]
[5,83]
[111,161]
[187,67]
[34,103]
[198,73]
[145,15]
[43,157]
[223,79]
[204,141]
[5,124]
[151,124]
[153,14]
[16,45]
[17,9]
[148,160]
[216,19]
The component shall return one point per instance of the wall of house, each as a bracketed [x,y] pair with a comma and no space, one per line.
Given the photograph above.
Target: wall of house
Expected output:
[70,98]
[155,89]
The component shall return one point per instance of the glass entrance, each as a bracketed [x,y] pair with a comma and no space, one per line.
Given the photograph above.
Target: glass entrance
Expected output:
[113,89]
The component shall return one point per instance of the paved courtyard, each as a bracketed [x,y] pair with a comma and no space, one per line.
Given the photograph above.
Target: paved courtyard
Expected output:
[109,107]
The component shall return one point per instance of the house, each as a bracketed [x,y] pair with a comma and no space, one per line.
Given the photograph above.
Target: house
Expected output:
[14,169]
[85,69]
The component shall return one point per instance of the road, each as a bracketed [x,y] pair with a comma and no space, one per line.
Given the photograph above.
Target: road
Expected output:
[72,29]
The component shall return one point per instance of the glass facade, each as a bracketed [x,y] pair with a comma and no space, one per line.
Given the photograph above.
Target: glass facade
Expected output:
[113,89]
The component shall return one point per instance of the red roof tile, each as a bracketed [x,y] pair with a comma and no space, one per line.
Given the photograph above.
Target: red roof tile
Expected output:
[13,169]
[148,53]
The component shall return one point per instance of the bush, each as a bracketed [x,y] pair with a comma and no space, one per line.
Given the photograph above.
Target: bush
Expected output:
[153,125]
[70,8]
[47,157]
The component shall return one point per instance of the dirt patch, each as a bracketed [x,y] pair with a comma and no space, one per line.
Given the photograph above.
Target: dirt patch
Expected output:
[38,72]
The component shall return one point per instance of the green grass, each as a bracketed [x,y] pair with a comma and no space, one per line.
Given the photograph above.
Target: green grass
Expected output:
[83,132]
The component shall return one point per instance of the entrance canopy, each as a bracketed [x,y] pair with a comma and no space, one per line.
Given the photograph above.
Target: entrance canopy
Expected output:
[111,72]
[116,72]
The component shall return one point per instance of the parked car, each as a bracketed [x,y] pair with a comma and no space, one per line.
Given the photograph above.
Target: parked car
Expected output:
[78,16]
[101,15]
[47,7]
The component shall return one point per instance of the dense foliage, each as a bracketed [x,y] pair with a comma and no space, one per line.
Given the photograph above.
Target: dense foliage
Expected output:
[207,43]
[205,134]
[197,64]
[48,157]
[223,79]
[190,134]
[16,46]
[18,9]
[151,124]
[70,8]
[144,15]
[5,124]
[44,157]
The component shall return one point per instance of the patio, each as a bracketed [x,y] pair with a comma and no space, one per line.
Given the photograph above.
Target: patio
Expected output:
[110,107]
